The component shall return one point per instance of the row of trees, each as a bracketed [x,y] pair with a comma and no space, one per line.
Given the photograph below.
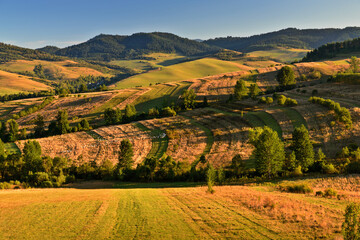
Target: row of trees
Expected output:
[241,91]
[270,153]
[342,113]
[9,130]
[116,116]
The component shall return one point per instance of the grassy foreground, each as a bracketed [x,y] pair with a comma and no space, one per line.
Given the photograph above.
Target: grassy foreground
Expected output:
[173,211]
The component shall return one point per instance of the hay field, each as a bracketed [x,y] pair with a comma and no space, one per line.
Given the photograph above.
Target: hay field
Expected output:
[59,69]
[11,83]
[95,210]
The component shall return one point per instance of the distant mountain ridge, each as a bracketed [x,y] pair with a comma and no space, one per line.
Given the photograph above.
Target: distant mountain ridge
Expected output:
[108,47]
[290,37]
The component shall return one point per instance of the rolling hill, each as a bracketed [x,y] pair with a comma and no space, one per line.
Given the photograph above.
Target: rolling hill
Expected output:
[290,37]
[182,71]
[109,47]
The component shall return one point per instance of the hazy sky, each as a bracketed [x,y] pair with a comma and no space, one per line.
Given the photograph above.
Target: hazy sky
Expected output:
[36,23]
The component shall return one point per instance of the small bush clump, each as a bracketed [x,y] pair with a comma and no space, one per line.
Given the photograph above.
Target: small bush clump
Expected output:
[295,188]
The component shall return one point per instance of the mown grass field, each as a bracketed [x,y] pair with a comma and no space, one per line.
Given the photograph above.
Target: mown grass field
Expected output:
[281,54]
[96,210]
[11,83]
[58,69]
[159,96]
[178,72]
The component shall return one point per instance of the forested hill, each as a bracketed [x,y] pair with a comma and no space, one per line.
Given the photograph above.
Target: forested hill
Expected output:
[333,49]
[9,52]
[109,47]
[290,37]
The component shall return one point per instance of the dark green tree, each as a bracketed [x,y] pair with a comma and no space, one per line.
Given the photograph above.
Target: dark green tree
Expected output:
[12,130]
[269,151]
[351,225]
[166,170]
[126,155]
[237,165]
[84,125]
[3,131]
[2,149]
[130,112]
[290,162]
[83,88]
[62,122]
[39,126]
[205,102]
[112,116]
[254,91]
[240,90]
[303,148]
[210,178]
[286,76]
[32,156]
[189,97]
[39,71]
[354,64]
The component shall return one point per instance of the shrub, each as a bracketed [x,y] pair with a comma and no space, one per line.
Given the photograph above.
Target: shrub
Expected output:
[262,100]
[5,185]
[269,100]
[350,227]
[295,188]
[290,102]
[319,194]
[330,193]
[328,168]
[46,184]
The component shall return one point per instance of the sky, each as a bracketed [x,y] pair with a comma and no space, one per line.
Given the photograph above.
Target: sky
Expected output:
[38,23]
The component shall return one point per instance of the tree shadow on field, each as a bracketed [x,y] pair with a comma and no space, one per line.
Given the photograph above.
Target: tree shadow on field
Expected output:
[131,185]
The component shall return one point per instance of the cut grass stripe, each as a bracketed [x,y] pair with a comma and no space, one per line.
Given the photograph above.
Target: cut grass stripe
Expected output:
[159,96]
[296,118]
[268,120]
[159,143]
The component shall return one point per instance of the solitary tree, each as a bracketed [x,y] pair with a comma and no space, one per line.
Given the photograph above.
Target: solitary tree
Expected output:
[39,71]
[32,156]
[286,76]
[210,178]
[112,116]
[62,122]
[189,97]
[269,150]
[84,125]
[351,225]
[130,111]
[303,148]
[240,90]
[254,90]
[12,130]
[126,155]
[354,64]
[39,126]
